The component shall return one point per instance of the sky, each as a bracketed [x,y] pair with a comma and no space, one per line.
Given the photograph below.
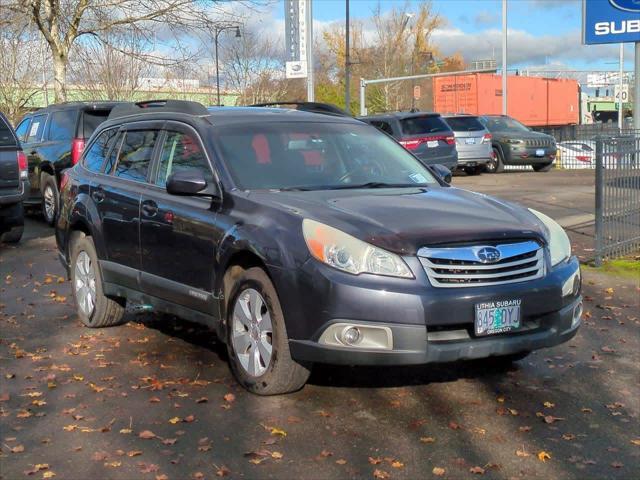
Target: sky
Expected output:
[543,34]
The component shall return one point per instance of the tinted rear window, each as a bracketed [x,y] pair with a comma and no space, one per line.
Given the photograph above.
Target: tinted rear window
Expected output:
[6,135]
[464,124]
[91,121]
[62,126]
[422,125]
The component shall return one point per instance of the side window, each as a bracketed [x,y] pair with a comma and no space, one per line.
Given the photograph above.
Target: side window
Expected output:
[135,154]
[6,135]
[36,128]
[62,125]
[384,126]
[99,149]
[23,128]
[181,151]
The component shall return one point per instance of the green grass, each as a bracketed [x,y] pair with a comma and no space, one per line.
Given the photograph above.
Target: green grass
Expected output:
[625,267]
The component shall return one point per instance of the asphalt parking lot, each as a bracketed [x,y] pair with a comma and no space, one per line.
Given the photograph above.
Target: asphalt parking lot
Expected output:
[154,398]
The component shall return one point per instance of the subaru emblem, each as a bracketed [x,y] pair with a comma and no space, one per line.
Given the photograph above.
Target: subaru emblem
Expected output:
[488,254]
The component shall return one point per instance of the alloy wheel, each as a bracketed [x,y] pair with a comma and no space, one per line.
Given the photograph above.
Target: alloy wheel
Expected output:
[85,283]
[49,202]
[252,335]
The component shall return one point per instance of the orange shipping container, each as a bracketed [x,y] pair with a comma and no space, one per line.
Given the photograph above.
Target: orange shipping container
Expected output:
[532,100]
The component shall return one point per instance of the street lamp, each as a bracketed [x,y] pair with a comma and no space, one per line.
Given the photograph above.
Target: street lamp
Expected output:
[218,29]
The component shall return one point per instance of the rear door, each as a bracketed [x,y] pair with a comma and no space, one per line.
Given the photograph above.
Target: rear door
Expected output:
[427,136]
[9,171]
[178,234]
[117,197]
[59,135]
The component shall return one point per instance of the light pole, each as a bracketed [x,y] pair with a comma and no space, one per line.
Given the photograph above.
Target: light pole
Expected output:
[218,29]
[504,57]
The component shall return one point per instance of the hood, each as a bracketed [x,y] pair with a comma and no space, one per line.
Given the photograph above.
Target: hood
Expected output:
[521,135]
[404,220]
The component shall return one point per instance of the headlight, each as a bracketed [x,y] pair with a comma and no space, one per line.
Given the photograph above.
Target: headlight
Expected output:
[559,244]
[347,253]
[512,141]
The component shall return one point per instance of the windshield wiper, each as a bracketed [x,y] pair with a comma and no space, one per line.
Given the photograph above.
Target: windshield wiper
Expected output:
[378,185]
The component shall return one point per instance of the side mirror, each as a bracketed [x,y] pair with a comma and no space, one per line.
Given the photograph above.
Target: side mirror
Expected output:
[190,182]
[443,172]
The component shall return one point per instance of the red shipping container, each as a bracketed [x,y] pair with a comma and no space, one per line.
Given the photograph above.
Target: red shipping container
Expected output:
[534,101]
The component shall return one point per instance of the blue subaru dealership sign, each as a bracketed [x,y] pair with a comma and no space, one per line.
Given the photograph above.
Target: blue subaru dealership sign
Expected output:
[610,21]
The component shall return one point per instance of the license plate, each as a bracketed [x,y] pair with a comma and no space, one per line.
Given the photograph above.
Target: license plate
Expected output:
[497,317]
[432,143]
[540,152]
[470,141]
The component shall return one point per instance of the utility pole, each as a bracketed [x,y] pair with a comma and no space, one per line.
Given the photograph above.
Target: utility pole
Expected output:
[309,22]
[347,63]
[636,89]
[620,87]
[504,57]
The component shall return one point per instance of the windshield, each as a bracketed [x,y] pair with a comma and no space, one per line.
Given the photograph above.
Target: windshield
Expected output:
[317,156]
[464,124]
[502,124]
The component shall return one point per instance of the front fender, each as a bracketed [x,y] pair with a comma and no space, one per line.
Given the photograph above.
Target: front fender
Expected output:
[84,216]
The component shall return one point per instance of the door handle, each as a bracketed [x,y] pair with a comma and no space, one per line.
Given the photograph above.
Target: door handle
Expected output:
[149,208]
[97,195]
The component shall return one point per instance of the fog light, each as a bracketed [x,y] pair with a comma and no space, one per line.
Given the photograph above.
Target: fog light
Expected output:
[577,315]
[350,336]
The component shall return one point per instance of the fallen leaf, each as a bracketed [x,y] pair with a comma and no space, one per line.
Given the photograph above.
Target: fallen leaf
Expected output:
[427,439]
[636,442]
[162,476]
[114,464]
[375,460]
[48,474]
[276,455]
[222,471]
[147,434]
[277,431]
[477,470]
[203,400]
[99,456]
[134,453]
[617,465]
[544,456]
[522,453]
[380,474]
[169,441]
[397,464]
[17,449]
[454,426]
[36,468]
[125,430]
[524,428]
[438,471]
[568,436]
[148,468]
[341,461]
[189,418]
[229,397]
[175,420]
[549,404]
[551,419]
[608,291]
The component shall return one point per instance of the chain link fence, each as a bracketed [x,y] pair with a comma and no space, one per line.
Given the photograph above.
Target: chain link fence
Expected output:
[617,195]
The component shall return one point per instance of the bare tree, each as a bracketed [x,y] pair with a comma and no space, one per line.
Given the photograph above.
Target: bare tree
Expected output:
[110,70]
[20,58]
[62,22]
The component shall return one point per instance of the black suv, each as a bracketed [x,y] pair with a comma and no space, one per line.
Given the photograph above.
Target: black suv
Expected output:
[14,184]
[516,144]
[303,237]
[53,139]
[424,134]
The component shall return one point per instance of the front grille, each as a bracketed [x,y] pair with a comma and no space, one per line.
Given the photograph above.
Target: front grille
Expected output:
[538,142]
[461,267]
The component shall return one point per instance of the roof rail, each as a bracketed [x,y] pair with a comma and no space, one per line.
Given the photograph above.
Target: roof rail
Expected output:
[313,107]
[152,106]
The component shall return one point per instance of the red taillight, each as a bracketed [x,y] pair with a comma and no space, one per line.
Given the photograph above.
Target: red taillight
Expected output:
[413,143]
[583,158]
[486,138]
[22,162]
[77,147]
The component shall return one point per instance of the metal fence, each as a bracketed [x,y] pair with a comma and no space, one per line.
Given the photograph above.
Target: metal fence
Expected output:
[577,143]
[617,195]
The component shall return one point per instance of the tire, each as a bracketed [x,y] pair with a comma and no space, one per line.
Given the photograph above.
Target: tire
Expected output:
[262,373]
[495,165]
[542,167]
[105,312]
[50,198]
[473,170]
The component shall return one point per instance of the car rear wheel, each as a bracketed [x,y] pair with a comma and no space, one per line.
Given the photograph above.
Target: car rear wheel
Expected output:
[542,167]
[13,235]
[49,198]
[95,310]
[473,170]
[495,164]
[257,339]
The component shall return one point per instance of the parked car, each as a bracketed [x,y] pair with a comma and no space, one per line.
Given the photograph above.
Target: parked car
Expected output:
[516,144]
[424,134]
[473,143]
[577,154]
[53,139]
[14,183]
[302,238]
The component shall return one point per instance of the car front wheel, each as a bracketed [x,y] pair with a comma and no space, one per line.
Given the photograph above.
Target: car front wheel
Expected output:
[496,164]
[95,310]
[49,198]
[257,339]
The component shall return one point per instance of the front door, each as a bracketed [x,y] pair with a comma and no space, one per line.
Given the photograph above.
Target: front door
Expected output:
[117,198]
[178,235]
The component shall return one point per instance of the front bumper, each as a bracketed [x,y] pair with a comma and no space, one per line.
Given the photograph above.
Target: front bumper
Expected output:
[515,155]
[431,325]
